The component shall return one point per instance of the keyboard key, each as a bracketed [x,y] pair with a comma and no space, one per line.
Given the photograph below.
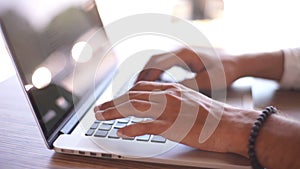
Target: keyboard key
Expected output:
[90,132]
[124,120]
[143,138]
[158,139]
[136,120]
[101,133]
[97,121]
[113,134]
[111,122]
[120,125]
[105,127]
[148,119]
[94,125]
[128,138]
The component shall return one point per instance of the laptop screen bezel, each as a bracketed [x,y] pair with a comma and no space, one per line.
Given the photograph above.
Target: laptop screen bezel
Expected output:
[48,136]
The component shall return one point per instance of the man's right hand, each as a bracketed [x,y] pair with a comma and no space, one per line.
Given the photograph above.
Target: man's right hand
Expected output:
[202,65]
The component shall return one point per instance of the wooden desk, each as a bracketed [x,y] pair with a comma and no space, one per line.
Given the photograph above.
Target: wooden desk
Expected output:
[21,144]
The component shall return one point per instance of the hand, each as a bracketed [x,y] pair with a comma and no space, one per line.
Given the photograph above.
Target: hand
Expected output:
[179,114]
[207,68]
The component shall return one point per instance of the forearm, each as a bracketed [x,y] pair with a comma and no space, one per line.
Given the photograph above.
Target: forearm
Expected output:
[263,65]
[277,145]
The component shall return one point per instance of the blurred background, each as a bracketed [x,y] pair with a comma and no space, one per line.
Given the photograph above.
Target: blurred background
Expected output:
[235,25]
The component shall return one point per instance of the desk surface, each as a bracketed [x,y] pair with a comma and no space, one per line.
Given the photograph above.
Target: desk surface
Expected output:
[21,144]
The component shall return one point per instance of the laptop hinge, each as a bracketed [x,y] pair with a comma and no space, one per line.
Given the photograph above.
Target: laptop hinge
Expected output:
[70,126]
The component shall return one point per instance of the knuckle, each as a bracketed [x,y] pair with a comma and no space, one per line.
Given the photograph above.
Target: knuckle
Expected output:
[184,50]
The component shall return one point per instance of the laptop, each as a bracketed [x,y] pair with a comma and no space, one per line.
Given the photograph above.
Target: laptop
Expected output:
[44,39]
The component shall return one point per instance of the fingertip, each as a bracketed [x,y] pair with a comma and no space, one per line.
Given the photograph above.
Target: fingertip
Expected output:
[151,74]
[141,76]
[99,115]
[121,134]
[130,131]
[96,108]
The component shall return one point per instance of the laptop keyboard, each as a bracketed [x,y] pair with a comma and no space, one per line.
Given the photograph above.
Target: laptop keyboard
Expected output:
[108,129]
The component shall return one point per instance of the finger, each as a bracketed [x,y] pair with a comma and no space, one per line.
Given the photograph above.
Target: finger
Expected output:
[137,108]
[139,95]
[185,58]
[150,70]
[151,86]
[154,96]
[154,127]
[158,64]
[145,70]
[150,74]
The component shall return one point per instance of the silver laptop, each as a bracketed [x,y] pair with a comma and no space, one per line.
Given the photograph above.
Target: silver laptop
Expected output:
[62,89]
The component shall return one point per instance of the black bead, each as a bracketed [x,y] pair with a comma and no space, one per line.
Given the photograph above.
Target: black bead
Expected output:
[256,128]
[261,119]
[251,146]
[265,112]
[251,141]
[263,115]
[254,133]
[258,123]
[251,154]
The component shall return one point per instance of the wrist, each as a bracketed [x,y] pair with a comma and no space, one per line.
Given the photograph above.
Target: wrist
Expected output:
[238,130]
[263,65]
[241,130]
[242,61]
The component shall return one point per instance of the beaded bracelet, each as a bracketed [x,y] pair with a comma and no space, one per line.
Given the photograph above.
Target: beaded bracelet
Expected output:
[254,133]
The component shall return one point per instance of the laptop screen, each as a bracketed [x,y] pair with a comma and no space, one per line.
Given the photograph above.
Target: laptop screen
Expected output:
[45,40]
